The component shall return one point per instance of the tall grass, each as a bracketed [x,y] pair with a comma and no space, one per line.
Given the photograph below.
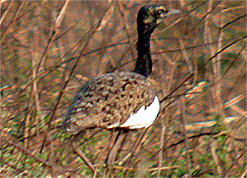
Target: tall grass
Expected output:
[48,48]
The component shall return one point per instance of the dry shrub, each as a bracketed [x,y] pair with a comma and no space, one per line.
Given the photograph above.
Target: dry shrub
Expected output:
[48,48]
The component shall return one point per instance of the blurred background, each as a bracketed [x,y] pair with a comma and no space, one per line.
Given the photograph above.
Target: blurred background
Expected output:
[49,48]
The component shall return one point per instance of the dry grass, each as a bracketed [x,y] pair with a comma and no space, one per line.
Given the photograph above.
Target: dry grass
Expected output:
[49,48]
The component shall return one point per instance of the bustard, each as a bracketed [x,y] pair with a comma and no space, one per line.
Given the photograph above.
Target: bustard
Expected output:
[124,100]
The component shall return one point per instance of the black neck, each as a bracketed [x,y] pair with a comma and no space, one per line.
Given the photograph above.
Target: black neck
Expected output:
[144,61]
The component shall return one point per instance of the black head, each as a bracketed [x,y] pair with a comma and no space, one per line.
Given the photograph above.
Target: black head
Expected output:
[150,16]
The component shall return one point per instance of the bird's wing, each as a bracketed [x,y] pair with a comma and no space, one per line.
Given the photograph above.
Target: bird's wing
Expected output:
[108,99]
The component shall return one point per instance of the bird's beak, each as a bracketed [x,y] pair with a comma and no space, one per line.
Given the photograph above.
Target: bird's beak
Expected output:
[169,13]
[173,12]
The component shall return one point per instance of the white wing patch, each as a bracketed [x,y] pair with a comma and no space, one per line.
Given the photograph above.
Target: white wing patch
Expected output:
[144,117]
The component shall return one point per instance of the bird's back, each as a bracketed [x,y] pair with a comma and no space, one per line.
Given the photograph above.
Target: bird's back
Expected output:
[107,101]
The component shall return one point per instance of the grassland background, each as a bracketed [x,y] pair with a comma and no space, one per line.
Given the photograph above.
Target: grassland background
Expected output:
[48,48]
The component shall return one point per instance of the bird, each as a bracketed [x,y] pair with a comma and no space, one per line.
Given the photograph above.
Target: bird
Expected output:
[121,100]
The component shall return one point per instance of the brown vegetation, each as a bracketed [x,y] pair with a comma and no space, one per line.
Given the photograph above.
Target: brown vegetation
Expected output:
[48,48]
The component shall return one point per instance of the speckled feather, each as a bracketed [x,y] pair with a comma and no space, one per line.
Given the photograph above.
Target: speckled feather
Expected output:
[108,99]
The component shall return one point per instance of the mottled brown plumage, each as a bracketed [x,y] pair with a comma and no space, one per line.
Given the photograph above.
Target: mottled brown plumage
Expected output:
[120,100]
[108,99]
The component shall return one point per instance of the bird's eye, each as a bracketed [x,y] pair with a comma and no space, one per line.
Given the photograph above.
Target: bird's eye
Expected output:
[162,11]
[159,12]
